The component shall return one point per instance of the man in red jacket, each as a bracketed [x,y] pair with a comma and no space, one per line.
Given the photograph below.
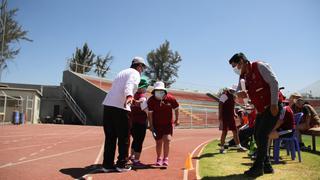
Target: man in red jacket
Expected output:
[262,88]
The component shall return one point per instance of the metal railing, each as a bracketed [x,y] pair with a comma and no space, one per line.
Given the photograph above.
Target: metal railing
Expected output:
[198,116]
[74,107]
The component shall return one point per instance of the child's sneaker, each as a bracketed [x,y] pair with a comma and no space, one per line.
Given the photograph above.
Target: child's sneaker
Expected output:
[241,149]
[137,163]
[132,159]
[165,161]
[158,162]
[222,151]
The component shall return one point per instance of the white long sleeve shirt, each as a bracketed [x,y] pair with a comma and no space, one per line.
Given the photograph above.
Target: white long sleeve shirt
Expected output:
[125,84]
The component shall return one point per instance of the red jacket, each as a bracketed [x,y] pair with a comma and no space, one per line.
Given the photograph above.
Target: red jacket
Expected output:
[258,89]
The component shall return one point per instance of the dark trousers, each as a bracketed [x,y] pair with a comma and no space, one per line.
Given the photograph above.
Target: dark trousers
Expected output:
[138,132]
[116,127]
[244,137]
[264,124]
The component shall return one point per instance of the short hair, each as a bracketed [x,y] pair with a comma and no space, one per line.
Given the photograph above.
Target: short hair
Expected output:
[135,65]
[237,57]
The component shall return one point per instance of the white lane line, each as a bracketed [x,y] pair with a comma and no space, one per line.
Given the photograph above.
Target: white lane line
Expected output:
[198,161]
[22,147]
[29,135]
[185,171]
[23,158]
[43,135]
[95,162]
[47,157]
[33,154]
[8,164]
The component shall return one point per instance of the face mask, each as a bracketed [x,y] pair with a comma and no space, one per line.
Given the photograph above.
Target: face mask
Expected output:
[159,94]
[236,70]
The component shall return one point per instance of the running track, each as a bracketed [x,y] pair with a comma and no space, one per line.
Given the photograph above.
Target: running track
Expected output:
[70,152]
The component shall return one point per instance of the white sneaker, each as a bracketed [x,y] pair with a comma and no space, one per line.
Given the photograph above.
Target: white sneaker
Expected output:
[241,149]
[123,169]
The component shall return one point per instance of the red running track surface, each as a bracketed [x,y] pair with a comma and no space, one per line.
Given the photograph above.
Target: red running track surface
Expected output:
[68,152]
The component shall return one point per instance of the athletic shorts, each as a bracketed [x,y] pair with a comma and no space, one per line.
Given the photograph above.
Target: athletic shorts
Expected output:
[163,130]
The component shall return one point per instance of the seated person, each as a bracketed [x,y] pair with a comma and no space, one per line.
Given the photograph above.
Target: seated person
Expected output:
[246,131]
[309,120]
[240,114]
[285,125]
[292,102]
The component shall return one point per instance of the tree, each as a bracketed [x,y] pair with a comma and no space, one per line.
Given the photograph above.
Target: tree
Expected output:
[103,65]
[163,64]
[83,60]
[10,34]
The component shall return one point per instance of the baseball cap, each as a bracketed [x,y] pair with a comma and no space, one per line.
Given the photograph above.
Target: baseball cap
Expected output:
[139,60]
[143,83]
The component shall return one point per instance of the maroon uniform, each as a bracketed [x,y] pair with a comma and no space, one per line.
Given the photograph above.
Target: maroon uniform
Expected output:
[288,120]
[228,120]
[137,115]
[162,114]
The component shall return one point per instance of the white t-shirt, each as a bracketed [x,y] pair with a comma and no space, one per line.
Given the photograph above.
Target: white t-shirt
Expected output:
[223,98]
[144,103]
[125,84]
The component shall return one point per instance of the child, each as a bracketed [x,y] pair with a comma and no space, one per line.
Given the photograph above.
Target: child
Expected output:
[226,118]
[160,106]
[138,117]
[246,131]
[284,125]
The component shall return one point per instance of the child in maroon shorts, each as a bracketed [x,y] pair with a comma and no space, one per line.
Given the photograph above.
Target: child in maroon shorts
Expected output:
[226,119]
[160,106]
[138,117]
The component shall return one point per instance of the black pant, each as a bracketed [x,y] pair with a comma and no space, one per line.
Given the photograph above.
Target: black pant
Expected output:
[264,124]
[116,127]
[244,137]
[138,132]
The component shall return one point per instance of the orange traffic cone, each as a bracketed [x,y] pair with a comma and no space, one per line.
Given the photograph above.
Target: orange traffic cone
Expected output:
[188,163]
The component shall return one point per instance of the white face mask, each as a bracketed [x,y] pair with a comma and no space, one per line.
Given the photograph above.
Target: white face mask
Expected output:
[236,70]
[159,94]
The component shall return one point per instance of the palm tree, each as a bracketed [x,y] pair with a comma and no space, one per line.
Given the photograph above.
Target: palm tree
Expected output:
[163,64]
[83,60]
[10,34]
[103,65]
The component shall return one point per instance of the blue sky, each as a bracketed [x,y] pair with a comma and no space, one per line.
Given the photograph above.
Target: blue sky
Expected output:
[206,33]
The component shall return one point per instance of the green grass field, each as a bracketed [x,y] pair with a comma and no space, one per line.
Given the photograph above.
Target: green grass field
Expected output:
[231,165]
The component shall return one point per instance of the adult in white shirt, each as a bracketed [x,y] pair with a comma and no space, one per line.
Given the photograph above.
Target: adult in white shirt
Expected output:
[115,116]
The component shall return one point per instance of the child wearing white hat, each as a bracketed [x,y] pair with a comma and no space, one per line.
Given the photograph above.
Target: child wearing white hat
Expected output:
[160,105]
